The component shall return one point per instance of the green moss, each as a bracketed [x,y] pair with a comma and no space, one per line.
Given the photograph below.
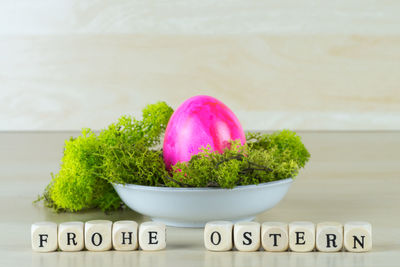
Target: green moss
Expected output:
[125,152]
[121,153]
[265,158]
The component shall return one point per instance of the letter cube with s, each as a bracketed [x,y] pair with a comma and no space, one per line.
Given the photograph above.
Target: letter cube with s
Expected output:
[246,236]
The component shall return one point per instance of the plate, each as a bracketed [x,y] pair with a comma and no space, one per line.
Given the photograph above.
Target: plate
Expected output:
[193,207]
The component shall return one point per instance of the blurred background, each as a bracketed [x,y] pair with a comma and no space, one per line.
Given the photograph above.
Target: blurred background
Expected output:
[309,65]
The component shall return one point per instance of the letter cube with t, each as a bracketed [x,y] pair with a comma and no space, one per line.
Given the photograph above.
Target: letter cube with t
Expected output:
[274,236]
[358,236]
[246,236]
[152,236]
[98,235]
[329,237]
[70,236]
[301,236]
[44,236]
[124,235]
[218,236]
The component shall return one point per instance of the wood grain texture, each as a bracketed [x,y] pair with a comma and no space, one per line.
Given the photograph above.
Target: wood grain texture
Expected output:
[65,65]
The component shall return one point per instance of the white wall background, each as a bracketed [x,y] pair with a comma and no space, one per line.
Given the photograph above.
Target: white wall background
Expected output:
[307,65]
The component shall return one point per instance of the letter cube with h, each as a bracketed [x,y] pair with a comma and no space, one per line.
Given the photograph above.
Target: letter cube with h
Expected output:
[124,235]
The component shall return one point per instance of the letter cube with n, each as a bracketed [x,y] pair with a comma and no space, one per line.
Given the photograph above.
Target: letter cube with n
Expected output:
[152,236]
[274,236]
[218,236]
[124,235]
[329,237]
[44,236]
[70,236]
[246,236]
[302,236]
[358,236]
[98,235]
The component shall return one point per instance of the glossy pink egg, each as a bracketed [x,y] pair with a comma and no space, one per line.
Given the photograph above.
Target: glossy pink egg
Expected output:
[198,122]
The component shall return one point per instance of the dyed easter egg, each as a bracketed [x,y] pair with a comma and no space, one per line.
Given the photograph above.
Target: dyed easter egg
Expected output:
[198,122]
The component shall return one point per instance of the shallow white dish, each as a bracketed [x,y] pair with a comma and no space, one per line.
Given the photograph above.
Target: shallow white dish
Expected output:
[193,207]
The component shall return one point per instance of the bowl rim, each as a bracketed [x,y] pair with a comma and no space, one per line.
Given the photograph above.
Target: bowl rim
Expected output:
[191,189]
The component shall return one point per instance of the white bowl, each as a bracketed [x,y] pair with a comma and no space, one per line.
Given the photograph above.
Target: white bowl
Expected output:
[193,207]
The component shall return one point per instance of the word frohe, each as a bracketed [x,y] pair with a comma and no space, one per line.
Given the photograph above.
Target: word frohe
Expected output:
[296,236]
[97,235]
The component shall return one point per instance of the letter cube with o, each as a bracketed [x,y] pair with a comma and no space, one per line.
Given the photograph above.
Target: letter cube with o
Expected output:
[44,236]
[124,235]
[152,236]
[302,236]
[70,236]
[246,236]
[218,236]
[275,236]
[329,237]
[98,235]
[357,236]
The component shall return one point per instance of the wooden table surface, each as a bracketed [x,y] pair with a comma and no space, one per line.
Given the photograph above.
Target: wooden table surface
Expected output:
[351,176]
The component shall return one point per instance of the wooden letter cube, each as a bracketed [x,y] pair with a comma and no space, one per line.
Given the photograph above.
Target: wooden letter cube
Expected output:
[302,236]
[44,236]
[329,237]
[246,236]
[124,235]
[358,236]
[274,236]
[218,236]
[70,236]
[152,236]
[98,235]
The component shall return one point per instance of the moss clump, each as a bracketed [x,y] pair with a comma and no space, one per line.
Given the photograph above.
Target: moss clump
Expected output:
[125,152]
[121,153]
[265,158]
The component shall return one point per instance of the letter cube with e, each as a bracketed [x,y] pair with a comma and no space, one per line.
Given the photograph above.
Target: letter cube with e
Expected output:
[124,235]
[98,235]
[152,236]
[246,236]
[275,236]
[70,236]
[329,237]
[44,236]
[357,236]
[302,236]
[218,236]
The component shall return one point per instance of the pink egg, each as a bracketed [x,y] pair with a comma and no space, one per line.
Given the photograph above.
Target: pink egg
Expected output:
[198,122]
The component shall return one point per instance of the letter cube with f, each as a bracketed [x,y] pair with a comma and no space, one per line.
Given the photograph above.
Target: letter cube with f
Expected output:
[218,236]
[44,236]
[152,236]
